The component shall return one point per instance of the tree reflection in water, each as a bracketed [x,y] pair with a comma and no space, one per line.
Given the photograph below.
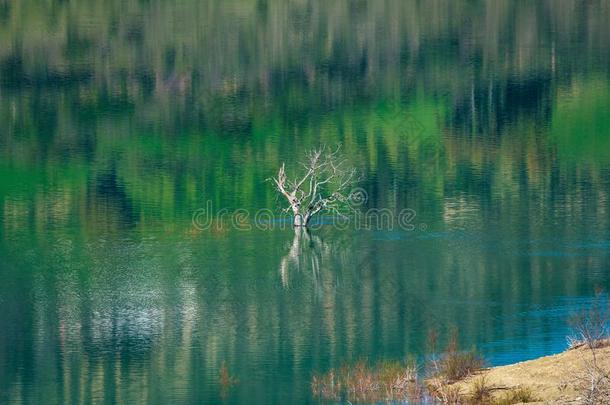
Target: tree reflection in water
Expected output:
[306,254]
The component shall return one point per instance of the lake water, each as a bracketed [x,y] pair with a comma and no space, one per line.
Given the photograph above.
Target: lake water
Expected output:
[120,120]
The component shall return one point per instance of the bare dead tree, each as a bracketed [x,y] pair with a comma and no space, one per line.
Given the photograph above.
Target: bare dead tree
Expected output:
[591,327]
[324,185]
[592,332]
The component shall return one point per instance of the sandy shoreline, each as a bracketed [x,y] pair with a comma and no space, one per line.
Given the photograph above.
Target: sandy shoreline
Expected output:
[552,379]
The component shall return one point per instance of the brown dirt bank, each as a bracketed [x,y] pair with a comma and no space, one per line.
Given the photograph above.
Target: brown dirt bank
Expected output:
[552,379]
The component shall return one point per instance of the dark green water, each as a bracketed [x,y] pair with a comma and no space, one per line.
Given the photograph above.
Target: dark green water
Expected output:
[120,119]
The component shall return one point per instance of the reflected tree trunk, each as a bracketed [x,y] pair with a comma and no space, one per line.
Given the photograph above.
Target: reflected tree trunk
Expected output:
[292,257]
[306,250]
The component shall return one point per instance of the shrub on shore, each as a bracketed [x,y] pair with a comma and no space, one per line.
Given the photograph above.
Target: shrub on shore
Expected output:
[400,381]
[591,330]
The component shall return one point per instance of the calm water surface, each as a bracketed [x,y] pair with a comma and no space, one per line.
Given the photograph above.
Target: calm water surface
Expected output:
[120,119]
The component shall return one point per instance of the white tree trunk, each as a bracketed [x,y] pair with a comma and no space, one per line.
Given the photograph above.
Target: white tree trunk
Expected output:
[300,220]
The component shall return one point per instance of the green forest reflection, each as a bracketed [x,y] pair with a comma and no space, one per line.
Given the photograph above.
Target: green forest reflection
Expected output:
[119,119]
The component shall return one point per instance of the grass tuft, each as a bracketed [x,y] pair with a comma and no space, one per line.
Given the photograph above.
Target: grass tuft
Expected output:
[481,391]
[521,395]
[454,364]
[361,382]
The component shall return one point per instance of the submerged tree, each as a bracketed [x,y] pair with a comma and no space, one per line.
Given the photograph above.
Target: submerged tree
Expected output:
[325,185]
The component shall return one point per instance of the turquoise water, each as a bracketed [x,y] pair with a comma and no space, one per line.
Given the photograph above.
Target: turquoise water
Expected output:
[119,122]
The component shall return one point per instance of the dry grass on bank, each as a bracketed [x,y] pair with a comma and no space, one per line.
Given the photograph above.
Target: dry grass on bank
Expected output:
[361,382]
[580,375]
[394,381]
[570,377]
[576,376]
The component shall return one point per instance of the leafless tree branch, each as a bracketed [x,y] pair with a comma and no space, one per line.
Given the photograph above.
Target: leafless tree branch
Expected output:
[324,185]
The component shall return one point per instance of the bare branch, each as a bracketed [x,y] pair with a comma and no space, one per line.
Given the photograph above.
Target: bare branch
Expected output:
[327,177]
